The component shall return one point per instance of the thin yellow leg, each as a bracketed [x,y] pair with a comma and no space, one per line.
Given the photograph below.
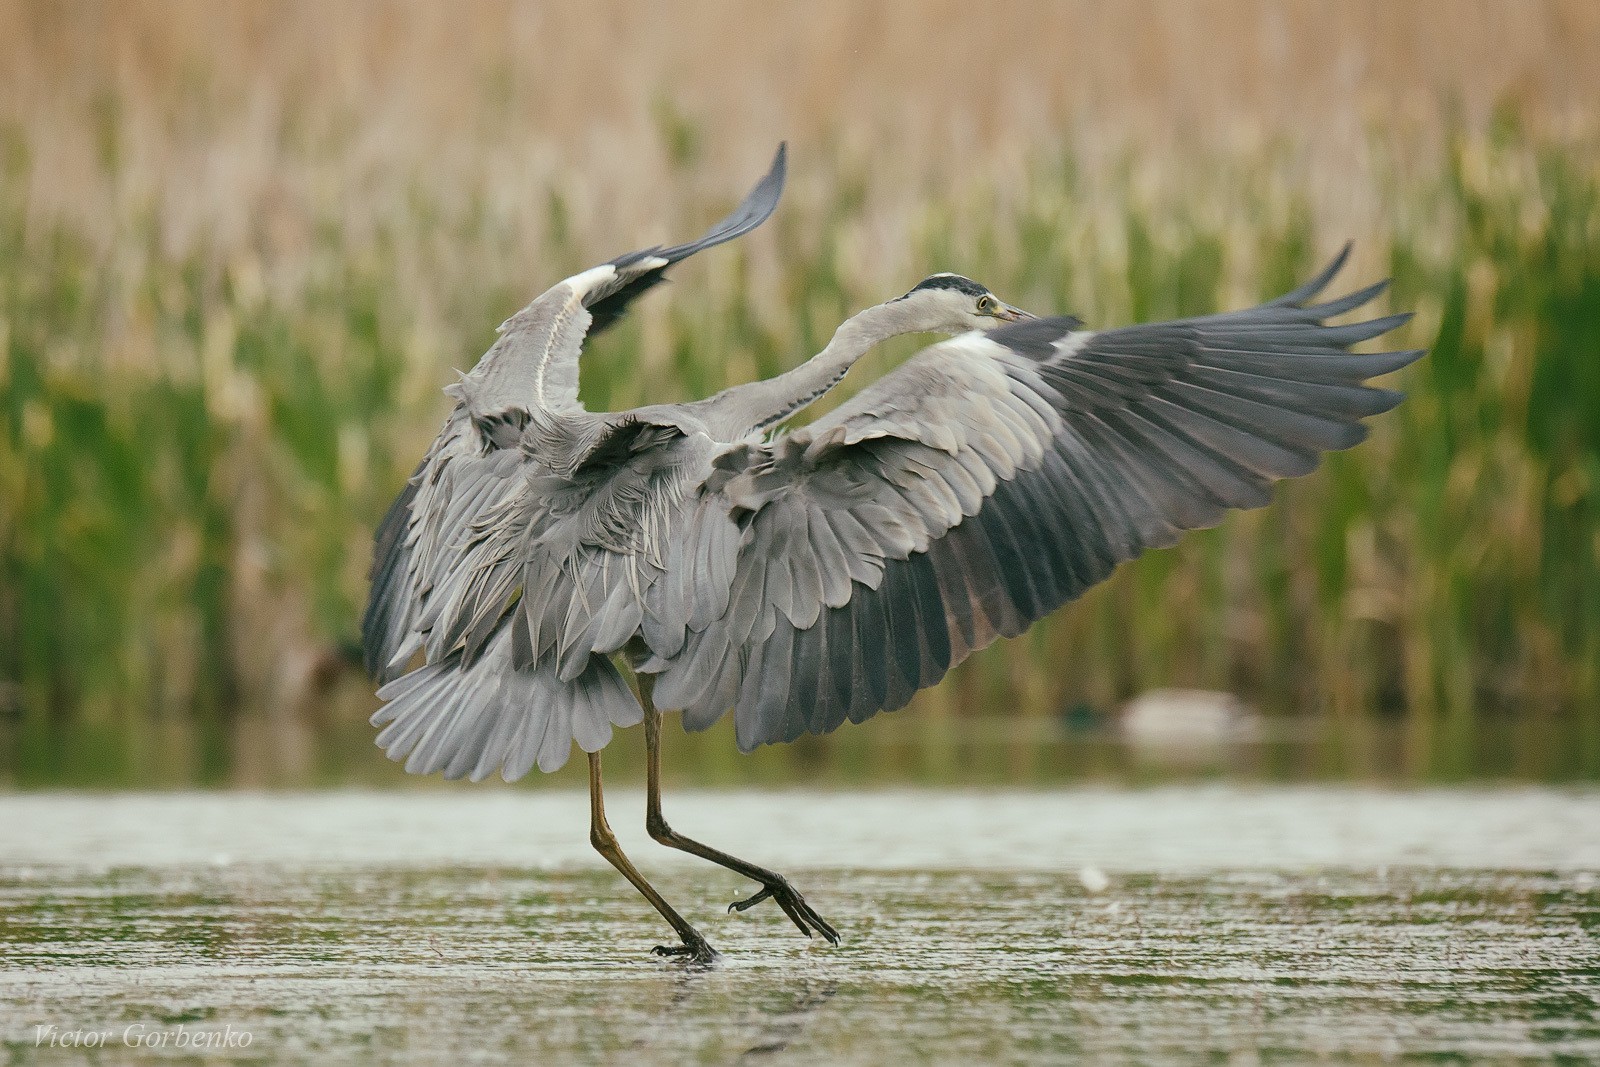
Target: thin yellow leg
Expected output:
[694,946]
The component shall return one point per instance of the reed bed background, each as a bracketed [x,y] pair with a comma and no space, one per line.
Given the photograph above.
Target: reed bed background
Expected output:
[242,246]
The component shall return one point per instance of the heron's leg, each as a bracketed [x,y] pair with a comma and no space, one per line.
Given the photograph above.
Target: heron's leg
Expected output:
[773,884]
[694,946]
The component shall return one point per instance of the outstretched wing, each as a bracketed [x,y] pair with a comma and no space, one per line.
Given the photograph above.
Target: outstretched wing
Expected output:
[535,360]
[639,272]
[989,480]
[533,366]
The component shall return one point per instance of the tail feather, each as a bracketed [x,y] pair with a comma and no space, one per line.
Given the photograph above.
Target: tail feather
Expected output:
[491,715]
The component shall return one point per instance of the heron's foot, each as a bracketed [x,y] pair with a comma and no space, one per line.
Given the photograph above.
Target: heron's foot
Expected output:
[794,905]
[695,952]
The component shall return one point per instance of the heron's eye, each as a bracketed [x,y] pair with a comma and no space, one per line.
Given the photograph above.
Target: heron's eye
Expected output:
[985,303]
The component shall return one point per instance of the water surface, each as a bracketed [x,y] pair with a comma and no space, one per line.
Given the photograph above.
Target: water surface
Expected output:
[476,926]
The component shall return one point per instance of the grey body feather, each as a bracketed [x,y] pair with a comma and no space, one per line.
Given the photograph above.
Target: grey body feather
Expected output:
[471,720]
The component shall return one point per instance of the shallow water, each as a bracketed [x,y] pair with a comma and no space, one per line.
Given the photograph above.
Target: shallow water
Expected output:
[1164,925]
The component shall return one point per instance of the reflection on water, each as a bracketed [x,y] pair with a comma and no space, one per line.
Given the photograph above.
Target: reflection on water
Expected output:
[914,747]
[1372,943]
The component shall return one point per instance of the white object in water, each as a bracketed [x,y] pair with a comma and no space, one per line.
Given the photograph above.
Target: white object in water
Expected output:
[1187,720]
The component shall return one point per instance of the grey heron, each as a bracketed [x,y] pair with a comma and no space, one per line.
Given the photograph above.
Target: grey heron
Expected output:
[826,573]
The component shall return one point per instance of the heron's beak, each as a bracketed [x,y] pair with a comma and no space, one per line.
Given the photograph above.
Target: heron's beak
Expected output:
[1007,313]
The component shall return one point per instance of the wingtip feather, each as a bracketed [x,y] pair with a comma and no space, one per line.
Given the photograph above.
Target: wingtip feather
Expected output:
[1296,297]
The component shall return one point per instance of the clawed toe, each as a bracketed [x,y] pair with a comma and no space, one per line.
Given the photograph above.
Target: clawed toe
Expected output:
[695,954]
[794,905]
[747,904]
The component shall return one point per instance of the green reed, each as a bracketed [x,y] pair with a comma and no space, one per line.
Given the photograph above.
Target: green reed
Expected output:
[193,454]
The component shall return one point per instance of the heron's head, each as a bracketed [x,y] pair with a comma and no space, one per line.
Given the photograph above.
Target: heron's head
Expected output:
[949,303]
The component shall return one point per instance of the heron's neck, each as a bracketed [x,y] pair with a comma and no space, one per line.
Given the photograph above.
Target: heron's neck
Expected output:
[772,401]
